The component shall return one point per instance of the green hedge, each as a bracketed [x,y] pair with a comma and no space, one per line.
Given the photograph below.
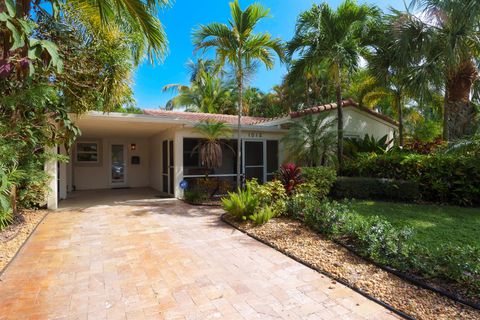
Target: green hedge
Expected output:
[322,178]
[379,240]
[375,188]
[441,177]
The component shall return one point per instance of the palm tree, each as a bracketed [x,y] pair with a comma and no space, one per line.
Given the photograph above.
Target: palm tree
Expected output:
[208,93]
[210,148]
[334,37]
[443,43]
[390,72]
[130,16]
[207,65]
[240,47]
[310,139]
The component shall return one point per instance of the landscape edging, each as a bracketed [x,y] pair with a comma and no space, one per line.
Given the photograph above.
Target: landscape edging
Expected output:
[411,279]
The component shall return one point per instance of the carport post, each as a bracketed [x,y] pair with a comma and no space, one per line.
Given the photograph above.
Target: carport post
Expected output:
[51,168]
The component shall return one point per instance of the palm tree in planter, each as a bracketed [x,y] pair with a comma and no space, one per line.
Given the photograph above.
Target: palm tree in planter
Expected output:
[237,45]
[210,148]
[310,139]
[336,38]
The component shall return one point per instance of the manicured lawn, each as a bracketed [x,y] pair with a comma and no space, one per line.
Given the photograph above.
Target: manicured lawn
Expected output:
[433,224]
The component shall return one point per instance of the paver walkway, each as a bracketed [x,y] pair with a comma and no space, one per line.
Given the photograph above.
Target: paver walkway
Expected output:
[164,260]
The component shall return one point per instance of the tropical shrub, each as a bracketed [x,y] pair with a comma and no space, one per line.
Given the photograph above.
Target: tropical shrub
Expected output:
[375,188]
[445,178]
[469,146]
[367,144]
[311,139]
[377,239]
[194,196]
[290,175]
[270,194]
[241,204]
[423,147]
[322,178]
[263,215]
[304,197]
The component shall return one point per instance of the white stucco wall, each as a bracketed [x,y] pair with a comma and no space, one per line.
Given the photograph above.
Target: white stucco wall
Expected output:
[97,175]
[357,122]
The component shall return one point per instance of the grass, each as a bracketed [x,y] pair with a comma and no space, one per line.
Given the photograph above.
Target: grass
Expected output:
[433,224]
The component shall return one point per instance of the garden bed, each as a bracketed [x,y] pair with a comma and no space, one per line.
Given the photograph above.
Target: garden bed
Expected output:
[297,240]
[13,237]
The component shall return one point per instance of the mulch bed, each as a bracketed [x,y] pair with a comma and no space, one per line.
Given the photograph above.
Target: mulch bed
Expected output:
[297,240]
[12,237]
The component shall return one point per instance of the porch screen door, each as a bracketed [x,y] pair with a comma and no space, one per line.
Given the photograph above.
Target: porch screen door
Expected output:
[167,167]
[254,160]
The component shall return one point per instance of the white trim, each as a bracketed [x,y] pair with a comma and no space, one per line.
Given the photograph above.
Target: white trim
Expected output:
[220,175]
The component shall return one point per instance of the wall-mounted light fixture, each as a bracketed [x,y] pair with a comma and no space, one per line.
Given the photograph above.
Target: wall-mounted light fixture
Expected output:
[133,146]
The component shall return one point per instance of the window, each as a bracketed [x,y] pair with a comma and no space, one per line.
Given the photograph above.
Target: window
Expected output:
[191,160]
[190,153]
[87,152]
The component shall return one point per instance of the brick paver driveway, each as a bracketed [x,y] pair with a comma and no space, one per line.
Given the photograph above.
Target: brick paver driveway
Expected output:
[164,260]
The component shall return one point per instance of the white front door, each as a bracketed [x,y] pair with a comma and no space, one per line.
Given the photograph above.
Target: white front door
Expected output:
[118,168]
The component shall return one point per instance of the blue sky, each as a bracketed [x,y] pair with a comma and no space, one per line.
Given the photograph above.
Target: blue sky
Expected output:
[185,15]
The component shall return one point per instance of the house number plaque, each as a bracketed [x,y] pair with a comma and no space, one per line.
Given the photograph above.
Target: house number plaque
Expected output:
[254,134]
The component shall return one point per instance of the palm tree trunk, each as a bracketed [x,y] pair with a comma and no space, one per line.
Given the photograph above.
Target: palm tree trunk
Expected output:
[338,92]
[445,113]
[459,113]
[240,108]
[398,102]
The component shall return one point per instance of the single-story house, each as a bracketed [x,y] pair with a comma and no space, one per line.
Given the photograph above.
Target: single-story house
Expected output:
[156,149]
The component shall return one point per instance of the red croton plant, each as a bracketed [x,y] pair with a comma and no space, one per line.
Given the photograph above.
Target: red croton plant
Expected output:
[290,175]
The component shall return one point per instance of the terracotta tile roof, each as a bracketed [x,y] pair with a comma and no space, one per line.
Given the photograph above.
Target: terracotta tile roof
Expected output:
[346,103]
[197,116]
[232,119]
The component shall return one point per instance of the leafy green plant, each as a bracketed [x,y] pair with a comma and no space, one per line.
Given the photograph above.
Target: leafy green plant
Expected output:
[195,196]
[270,194]
[263,215]
[322,178]
[444,178]
[375,188]
[241,204]
[467,146]
[290,175]
[367,144]
[311,139]
[376,238]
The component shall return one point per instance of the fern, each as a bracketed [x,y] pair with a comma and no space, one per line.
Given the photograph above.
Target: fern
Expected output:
[263,216]
[241,204]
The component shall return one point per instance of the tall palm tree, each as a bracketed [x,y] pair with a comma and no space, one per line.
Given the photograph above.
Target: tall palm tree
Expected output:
[443,42]
[334,37]
[208,93]
[309,140]
[390,71]
[238,45]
